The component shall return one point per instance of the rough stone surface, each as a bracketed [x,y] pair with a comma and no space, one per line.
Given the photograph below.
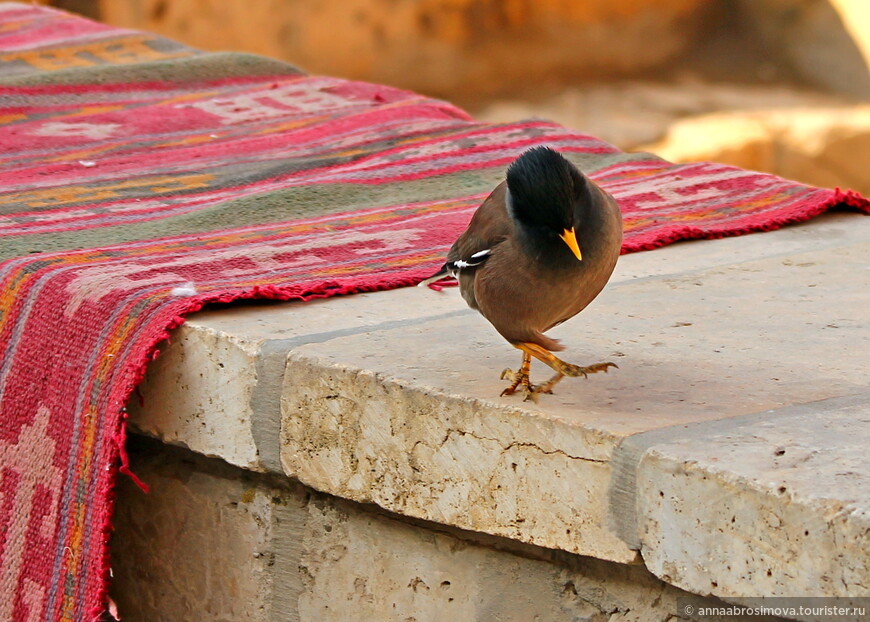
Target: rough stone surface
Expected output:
[201,545]
[212,542]
[216,385]
[446,458]
[780,507]
[210,372]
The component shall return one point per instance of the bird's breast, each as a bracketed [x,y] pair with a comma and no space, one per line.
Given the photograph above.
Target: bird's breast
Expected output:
[523,296]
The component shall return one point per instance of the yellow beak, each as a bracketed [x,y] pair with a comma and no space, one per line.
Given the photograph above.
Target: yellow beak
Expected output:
[571,240]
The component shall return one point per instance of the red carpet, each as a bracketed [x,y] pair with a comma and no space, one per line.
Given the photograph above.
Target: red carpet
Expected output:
[131,166]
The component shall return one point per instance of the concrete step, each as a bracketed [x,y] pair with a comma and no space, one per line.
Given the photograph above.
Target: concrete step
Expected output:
[726,452]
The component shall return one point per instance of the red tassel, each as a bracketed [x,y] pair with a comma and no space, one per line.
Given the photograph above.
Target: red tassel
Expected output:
[121,439]
[439,285]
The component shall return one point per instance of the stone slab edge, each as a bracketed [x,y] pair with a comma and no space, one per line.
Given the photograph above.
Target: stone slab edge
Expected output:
[271,369]
[449,459]
[655,456]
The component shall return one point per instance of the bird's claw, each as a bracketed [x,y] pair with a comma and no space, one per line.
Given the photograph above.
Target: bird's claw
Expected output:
[576,370]
[534,391]
[518,379]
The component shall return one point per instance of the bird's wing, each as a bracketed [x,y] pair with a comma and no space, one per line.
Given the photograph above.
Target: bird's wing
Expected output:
[489,226]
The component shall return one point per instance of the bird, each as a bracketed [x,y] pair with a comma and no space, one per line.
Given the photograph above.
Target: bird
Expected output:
[536,252]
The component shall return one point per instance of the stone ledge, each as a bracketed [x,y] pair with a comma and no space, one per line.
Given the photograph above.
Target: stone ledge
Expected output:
[259,549]
[390,398]
[780,509]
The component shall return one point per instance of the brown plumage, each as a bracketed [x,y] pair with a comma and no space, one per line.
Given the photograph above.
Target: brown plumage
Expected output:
[536,252]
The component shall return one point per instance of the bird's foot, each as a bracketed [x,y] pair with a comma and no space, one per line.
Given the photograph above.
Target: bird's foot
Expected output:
[518,379]
[568,369]
[558,365]
[534,390]
[565,369]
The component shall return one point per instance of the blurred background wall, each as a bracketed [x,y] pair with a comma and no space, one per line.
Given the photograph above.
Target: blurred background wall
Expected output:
[777,85]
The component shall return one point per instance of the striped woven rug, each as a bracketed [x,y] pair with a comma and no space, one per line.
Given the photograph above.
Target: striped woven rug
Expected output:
[140,180]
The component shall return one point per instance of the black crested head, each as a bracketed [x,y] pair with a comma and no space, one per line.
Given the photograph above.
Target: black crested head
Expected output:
[545,191]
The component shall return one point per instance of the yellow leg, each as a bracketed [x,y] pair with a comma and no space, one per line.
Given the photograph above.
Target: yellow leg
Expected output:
[547,387]
[520,378]
[561,368]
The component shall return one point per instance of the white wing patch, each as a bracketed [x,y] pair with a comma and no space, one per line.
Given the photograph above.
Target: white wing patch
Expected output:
[476,259]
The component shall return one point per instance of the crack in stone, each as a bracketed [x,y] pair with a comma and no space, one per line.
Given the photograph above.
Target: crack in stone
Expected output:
[553,451]
[510,446]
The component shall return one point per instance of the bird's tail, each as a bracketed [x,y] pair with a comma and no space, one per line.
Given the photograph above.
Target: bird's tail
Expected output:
[549,343]
[443,273]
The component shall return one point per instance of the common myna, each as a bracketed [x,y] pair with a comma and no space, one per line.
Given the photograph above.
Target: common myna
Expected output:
[537,251]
